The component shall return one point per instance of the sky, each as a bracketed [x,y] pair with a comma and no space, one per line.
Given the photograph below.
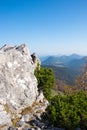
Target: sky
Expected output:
[47,27]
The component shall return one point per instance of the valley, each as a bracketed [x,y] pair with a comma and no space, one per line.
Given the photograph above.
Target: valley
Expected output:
[66,69]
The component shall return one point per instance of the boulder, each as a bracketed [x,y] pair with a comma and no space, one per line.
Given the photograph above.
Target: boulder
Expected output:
[20,100]
[18,85]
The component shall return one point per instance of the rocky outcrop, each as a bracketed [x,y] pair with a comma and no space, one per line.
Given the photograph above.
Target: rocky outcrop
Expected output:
[17,81]
[18,85]
[36,60]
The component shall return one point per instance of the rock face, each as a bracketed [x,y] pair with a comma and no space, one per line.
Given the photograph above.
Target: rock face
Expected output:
[17,81]
[18,85]
[19,98]
[4,116]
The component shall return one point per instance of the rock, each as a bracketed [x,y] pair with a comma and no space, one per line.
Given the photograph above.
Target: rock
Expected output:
[4,128]
[40,97]
[27,129]
[20,123]
[26,117]
[18,89]
[20,128]
[36,60]
[37,123]
[18,85]
[12,128]
[5,117]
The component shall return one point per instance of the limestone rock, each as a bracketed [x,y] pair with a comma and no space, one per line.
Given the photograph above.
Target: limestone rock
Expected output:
[36,60]
[18,88]
[5,118]
[18,85]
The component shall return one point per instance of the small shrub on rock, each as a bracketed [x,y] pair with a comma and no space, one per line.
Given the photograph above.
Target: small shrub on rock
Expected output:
[46,81]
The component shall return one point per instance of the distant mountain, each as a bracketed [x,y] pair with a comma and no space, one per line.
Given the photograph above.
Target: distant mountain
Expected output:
[75,56]
[52,60]
[66,68]
[62,61]
[43,58]
[77,64]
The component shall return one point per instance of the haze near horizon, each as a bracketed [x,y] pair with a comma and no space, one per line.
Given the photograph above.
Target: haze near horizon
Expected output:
[48,27]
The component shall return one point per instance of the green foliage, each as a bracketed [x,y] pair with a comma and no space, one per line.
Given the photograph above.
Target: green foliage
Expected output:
[69,111]
[46,80]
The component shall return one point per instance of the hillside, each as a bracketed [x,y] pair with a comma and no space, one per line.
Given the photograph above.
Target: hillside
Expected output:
[65,74]
[77,64]
[66,68]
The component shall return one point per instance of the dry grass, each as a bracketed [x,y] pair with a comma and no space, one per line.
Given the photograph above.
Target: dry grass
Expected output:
[7,108]
[16,118]
[26,110]
[35,104]
[14,121]
[39,111]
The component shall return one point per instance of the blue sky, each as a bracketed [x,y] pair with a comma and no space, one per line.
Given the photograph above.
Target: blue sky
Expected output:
[46,26]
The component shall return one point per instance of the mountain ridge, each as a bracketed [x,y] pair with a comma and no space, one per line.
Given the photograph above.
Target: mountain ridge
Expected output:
[64,60]
[66,68]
